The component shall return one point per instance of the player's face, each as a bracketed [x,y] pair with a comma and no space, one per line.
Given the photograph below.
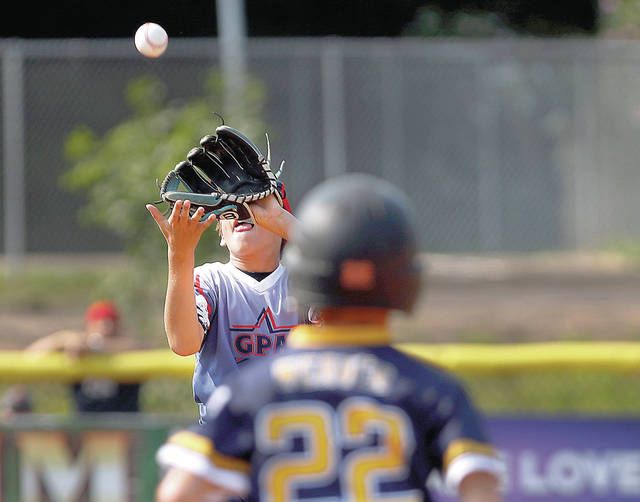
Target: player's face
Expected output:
[246,240]
[105,328]
[99,331]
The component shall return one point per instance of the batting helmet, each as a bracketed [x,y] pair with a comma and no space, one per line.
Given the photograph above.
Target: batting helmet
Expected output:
[355,246]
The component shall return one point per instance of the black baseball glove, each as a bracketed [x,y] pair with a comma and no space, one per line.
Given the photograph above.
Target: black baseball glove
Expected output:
[223,175]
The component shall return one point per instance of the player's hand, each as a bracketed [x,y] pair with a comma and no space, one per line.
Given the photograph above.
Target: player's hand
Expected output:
[266,210]
[181,230]
[268,213]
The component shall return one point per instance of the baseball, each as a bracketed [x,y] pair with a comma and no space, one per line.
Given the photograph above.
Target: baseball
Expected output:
[151,40]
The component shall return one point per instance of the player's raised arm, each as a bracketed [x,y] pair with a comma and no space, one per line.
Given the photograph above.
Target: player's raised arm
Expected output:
[268,213]
[182,232]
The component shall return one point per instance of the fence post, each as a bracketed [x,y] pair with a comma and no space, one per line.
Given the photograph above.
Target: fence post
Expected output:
[489,182]
[232,34]
[583,225]
[333,103]
[392,104]
[14,221]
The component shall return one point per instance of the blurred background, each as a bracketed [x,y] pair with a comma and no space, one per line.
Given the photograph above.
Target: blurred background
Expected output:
[512,125]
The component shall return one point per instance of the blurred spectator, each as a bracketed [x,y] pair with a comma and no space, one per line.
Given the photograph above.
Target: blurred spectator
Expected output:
[15,401]
[102,334]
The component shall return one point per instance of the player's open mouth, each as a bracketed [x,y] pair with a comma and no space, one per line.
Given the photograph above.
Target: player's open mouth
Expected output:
[242,226]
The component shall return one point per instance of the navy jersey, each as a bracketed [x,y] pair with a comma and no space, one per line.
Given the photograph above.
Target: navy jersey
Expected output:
[337,422]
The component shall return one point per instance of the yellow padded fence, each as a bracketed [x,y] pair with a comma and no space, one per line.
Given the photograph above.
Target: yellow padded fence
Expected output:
[616,357]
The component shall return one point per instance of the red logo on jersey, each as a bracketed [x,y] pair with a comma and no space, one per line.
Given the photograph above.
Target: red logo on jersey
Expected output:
[261,338]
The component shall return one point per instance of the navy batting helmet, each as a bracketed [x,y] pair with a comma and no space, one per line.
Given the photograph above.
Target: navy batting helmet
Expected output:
[355,246]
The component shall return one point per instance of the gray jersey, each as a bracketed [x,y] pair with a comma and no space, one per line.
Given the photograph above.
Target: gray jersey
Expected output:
[243,319]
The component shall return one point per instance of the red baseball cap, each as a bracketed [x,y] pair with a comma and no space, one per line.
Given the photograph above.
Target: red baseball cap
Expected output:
[100,310]
[282,190]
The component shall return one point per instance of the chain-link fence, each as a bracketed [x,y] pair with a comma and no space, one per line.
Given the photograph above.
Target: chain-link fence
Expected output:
[510,145]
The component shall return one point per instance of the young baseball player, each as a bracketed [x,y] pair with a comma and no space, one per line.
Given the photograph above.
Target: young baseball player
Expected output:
[339,415]
[226,313]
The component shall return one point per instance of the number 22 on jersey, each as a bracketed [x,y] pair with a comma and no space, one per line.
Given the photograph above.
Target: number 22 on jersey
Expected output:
[327,433]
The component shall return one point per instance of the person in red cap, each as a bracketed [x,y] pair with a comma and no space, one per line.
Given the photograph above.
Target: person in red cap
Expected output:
[102,334]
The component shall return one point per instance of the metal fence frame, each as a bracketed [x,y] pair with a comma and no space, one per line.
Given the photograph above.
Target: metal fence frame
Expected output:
[593,205]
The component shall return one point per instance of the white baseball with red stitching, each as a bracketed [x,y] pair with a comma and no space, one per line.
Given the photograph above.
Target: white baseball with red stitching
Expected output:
[151,40]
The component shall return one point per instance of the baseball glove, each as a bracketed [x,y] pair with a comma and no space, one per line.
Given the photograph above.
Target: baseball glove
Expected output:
[223,175]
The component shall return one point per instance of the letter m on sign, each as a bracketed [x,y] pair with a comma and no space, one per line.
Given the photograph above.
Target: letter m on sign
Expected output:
[96,469]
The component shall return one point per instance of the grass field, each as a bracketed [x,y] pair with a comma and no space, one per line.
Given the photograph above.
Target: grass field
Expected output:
[585,393]
[64,288]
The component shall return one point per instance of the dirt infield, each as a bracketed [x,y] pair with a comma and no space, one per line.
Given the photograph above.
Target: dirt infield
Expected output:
[520,298]
[469,298]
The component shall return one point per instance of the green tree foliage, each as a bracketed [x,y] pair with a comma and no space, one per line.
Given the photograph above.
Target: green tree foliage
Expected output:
[120,171]
[620,19]
[499,18]
[432,21]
